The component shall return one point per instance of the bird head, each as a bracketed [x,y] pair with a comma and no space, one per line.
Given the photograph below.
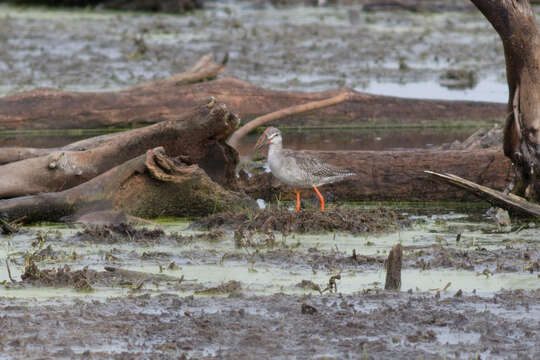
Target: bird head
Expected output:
[270,136]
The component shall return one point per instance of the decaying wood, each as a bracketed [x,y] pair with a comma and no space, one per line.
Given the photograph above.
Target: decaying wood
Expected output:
[395,176]
[511,202]
[293,110]
[171,99]
[148,103]
[515,22]
[147,186]
[200,137]
[393,268]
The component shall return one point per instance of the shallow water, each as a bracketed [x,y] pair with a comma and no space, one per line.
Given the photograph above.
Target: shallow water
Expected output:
[296,48]
[205,264]
[320,139]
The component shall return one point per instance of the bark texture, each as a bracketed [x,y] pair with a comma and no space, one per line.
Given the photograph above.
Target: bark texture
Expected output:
[200,137]
[147,186]
[517,27]
[395,176]
[170,99]
[143,104]
[511,202]
[393,268]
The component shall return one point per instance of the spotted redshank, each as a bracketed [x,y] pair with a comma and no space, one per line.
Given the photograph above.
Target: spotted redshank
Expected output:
[298,169]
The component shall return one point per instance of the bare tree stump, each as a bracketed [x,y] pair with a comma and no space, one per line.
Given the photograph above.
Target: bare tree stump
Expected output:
[393,268]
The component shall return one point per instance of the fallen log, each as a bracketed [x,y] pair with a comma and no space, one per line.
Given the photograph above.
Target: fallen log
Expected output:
[513,203]
[147,186]
[171,98]
[395,176]
[148,103]
[200,137]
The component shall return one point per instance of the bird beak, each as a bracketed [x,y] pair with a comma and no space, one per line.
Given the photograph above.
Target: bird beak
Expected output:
[263,140]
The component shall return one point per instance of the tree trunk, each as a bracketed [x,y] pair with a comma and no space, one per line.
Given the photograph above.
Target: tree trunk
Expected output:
[516,25]
[200,137]
[148,186]
[395,176]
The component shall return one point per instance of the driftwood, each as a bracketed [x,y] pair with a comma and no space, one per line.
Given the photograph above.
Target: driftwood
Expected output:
[147,186]
[200,137]
[395,175]
[393,268]
[170,99]
[511,202]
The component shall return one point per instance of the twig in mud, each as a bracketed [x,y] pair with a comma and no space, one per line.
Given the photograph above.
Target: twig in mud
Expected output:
[332,285]
[6,226]
[292,110]
[9,272]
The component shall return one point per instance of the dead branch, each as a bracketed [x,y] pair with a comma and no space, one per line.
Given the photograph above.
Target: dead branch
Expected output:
[293,110]
[510,202]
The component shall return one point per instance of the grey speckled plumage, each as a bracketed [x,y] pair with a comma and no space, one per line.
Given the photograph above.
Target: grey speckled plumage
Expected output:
[298,169]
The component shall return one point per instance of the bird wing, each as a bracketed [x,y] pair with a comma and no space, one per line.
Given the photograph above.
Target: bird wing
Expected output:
[315,166]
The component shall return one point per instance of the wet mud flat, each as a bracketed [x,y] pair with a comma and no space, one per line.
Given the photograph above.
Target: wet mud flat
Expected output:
[370,325]
[246,288]
[340,46]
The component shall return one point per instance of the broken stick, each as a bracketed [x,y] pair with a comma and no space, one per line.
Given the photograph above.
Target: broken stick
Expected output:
[510,202]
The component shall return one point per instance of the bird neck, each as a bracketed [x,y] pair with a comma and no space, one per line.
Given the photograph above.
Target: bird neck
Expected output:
[274,148]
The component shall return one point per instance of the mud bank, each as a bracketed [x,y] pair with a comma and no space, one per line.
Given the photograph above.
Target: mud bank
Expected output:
[369,325]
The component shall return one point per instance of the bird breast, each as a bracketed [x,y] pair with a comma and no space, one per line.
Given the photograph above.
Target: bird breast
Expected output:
[286,170]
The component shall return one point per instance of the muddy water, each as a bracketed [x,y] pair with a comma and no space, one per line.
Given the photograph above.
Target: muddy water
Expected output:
[297,257]
[327,139]
[300,48]
[223,301]
[266,313]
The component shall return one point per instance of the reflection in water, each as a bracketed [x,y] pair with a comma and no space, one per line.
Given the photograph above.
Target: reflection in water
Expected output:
[364,139]
[319,139]
[48,139]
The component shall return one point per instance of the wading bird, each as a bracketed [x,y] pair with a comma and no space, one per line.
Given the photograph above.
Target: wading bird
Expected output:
[298,169]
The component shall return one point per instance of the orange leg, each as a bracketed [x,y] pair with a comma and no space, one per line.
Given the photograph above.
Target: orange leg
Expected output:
[297,200]
[320,197]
